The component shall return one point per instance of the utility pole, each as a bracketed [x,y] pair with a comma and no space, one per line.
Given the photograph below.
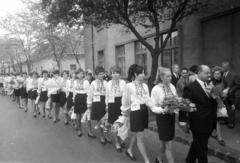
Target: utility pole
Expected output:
[93,57]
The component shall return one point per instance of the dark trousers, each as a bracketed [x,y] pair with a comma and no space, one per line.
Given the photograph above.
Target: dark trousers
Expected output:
[199,148]
[230,111]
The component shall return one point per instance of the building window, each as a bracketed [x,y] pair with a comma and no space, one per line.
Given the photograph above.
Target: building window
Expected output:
[120,58]
[141,55]
[101,59]
[171,51]
[73,67]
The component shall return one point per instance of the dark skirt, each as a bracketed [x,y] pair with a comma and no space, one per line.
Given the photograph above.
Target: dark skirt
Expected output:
[80,103]
[17,92]
[114,110]
[70,101]
[55,98]
[33,95]
[166,126]
[43,96]
[139,119]
[23,92]
[1,85]
[98,109]
[29,94]
[62,98]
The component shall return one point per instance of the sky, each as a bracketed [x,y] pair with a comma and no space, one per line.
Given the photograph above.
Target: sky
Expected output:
[9,7]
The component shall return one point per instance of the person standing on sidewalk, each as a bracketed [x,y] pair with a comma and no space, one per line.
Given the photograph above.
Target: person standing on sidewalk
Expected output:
[228,78]
[203,121]
[165,122]
[175,74]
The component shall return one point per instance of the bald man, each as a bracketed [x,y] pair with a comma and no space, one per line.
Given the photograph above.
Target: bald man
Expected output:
[203,121]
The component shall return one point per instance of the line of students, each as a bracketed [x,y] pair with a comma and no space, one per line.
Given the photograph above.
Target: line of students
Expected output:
[115,97]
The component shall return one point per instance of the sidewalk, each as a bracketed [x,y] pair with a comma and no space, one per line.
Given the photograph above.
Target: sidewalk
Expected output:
[229,153]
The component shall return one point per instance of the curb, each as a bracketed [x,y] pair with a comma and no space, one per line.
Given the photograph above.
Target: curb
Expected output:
[226,154]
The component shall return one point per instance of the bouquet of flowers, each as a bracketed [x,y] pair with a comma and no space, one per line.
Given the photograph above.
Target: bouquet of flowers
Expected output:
[175,104]
[121,127]
[86,116]
[103,123]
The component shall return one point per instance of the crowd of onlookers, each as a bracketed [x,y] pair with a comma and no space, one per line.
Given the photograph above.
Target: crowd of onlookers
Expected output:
[118,106]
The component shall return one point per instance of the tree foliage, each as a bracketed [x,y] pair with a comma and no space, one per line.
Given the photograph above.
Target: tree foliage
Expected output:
[149,14]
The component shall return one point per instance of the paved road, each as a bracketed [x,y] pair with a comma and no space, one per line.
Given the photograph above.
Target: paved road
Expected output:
[25,139]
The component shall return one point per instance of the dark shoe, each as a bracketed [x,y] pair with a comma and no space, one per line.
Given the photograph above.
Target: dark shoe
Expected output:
[25,110]
[118,149]
[79,133]
[108,140]
[123,145]
[43,116]
[54,121]
[92,136]
[158,161]
[66,122]
[133,158]
[35,116]
[103,141]
[231,125]
[221,142]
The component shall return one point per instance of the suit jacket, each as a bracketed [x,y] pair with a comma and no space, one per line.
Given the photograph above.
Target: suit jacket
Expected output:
[228,80]
[204,119]
[174,80]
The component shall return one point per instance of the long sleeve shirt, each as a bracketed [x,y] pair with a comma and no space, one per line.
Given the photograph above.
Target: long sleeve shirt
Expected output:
[97,89]
[80,87]
[133,96]
[114,89]
[158,96]
[53,85]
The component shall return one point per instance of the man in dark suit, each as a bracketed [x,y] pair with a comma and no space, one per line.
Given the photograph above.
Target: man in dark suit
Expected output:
[228,78]
[175,74]
[203,121]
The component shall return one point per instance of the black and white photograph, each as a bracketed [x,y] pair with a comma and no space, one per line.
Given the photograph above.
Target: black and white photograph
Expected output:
[120,81]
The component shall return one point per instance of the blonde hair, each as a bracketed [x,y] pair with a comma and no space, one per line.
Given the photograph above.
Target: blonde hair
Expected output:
[161,71]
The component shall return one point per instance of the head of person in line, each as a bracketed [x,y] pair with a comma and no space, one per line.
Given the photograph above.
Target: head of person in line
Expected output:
[217,73]
[80,74]
[175,69]
[45,74]
[204,73]
[226,66]
[115,72]
[163,76]
[99,72]
[34,75]
[136,73]
[184,73]
[56,74]
[65,75]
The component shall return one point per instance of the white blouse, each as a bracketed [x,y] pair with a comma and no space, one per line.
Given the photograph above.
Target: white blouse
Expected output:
[81,87]
[158,96]
[114,89]
[53,85]
[42,84]
[97,89]
[134,95]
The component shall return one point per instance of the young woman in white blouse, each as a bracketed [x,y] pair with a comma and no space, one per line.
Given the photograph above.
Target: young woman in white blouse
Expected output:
[42,91]
[63,96]
[80,91]
[34,93]
[23,92]
[54,86]
[96,101]
[165,120]
[135,100]
[70,103]
[114,93]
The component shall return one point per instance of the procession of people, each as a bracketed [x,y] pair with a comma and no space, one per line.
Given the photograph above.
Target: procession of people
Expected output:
[199,99]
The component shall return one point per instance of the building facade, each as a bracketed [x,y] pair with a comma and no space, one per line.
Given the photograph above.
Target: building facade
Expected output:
[200,39]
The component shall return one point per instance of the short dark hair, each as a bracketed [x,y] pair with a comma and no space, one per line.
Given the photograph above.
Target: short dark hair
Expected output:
[99,69]
[79,71]
[194,69]
[24,73]
[65,71]
[44,72]
[34,73]
[115,69]
[134,69]
[56,72]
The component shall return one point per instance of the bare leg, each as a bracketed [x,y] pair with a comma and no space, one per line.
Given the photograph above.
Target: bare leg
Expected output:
[141,147]
[168,152]
[131,144]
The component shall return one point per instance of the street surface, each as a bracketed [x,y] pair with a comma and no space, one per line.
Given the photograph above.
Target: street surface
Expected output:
[25,139]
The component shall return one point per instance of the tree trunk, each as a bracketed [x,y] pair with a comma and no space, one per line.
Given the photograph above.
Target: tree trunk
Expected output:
[154,68]
[29,66]
[59,66]
[77,60]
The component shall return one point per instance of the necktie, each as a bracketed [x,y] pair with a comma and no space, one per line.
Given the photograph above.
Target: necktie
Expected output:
[206,89]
